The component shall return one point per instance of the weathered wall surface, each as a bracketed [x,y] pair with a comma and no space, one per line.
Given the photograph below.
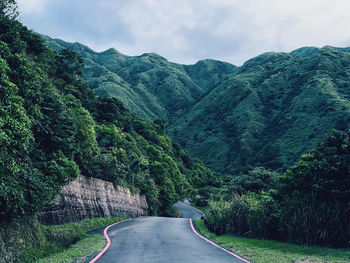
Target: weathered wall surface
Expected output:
[90,197]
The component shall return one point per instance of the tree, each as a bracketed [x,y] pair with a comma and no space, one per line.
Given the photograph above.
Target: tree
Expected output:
[15,143]
[314,195]
[16,137]
[8,8]
[84,126]
[254,180]
[323,172]
[68,64]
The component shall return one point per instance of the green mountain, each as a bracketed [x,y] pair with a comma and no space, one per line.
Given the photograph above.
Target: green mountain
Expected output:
[53,128]
[273,109]
[148,85]
[264,113]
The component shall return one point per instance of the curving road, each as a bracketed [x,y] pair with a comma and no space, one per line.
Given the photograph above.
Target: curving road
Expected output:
[187,211]
[162,240]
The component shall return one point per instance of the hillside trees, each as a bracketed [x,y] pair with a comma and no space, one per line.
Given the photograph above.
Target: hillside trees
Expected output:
[314,195]
[117,144]
[53,127]
[310,204]
[15,143]
[254,180]
[323,172]
[31,173]
[8,9]
[84,126]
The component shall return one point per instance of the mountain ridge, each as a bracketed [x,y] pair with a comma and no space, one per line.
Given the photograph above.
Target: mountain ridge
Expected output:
[135,80]
[261,103]
[266,112]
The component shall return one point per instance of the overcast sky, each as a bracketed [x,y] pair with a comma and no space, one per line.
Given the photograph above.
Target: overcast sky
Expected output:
[186,31]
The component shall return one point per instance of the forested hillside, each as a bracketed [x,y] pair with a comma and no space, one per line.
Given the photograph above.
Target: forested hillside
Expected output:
[252,123]
[276,107]
[148,85]
[265,113]
[258,124]
[53,128]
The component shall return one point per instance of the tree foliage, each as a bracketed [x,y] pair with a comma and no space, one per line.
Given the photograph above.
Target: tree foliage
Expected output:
[8,9]
[309,204]
[53,127]
[255,180]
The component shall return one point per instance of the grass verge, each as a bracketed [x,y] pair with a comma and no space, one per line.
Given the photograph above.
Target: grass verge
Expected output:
[171,212]
[69,242]
[266,251]
[78,252]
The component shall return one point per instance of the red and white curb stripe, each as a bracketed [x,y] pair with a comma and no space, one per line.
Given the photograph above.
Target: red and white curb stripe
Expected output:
[202,237]
[179,213]
[108,241]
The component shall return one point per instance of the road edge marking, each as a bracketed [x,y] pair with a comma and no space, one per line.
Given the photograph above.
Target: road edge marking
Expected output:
[216,245]
[108,241]
[179,213]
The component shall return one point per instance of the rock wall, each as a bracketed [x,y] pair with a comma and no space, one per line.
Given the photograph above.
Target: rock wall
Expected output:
[88,197]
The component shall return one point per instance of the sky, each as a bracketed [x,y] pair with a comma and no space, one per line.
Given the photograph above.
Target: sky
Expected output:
[185,31]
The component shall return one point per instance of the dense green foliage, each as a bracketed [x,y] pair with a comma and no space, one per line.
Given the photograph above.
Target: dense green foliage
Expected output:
[148,85]
[253,180]
[310,203]
[26,240]
[63,236]
[274,108]
[36,142]
[268,251]
[8,8]
[80,251]
[265,113]
[53,127]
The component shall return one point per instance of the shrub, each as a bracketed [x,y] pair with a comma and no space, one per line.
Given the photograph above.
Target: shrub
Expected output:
[248,215]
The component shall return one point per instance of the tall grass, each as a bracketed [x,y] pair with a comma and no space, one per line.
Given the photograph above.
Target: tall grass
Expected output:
[267,251]
[248,215]
[300,220]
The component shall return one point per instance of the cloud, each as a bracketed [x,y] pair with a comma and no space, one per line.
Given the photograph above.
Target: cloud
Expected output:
[32,6]
[188,30]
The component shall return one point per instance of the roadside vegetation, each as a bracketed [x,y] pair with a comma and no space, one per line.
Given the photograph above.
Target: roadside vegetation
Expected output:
[266,251]
[78,252]
[54,128]
[63,243]
[171,212]
[309,204]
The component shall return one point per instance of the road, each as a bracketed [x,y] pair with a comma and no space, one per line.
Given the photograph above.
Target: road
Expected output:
[162,240]
[187,211]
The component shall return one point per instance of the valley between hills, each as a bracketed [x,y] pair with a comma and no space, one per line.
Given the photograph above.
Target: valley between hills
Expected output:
[89,139]
[267,112]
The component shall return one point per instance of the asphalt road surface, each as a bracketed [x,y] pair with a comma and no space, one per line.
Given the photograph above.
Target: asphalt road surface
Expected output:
[187,211]
[162,240]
